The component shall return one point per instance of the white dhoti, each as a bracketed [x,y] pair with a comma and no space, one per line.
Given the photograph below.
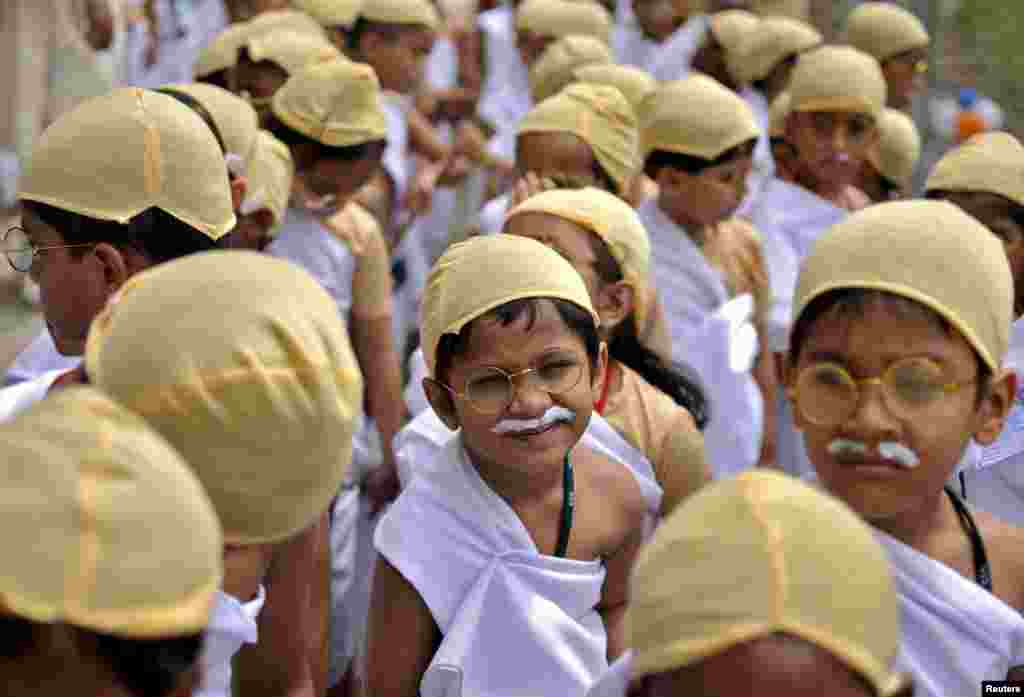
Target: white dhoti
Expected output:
[515,622]
[955,633]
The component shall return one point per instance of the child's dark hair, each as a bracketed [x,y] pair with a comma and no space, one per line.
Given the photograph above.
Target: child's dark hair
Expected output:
[154,232]
[692,164]
[147,667]
[388,30]
[625,346]
[348,153]
[217,79]
[854,303]
[1016,210]
[576,318]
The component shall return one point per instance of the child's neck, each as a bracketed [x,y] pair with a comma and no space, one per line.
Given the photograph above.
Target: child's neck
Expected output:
[514,485]
[694,229]
[799,175]
[919,526]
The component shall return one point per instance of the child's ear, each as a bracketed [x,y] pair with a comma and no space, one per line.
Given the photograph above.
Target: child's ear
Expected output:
[600,370]
[995,407]
[441,402]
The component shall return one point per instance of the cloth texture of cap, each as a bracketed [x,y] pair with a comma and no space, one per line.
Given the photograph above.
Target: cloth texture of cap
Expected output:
[291,50]
[741,560]
[241,361]
[331,13]
[167,158]
[988,162]
[838,78]
[792,9]
[899,147]
[222,52]
[599,116]
[269,177]
[884,29]
[104,525]
[776,39]
[476,276]
[418,12]
[556,18]
[337,103]
[234,117]
[554,69]
[733,30]
[927,251]
[696,116]
[634,83]
[617,225]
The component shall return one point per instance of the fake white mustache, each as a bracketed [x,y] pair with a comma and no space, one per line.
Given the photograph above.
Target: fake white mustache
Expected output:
[552,415]
[888,450]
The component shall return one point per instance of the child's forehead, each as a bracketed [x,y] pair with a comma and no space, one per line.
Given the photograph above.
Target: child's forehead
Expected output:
[493,341]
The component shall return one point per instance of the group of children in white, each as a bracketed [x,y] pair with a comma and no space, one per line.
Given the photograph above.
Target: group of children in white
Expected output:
[693,404]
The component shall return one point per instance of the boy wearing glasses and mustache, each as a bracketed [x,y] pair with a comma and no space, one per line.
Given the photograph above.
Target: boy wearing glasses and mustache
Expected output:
[895,363]
[503,565]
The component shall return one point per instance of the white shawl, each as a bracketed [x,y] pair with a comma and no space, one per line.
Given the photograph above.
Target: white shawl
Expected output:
[515,622]
[955,633]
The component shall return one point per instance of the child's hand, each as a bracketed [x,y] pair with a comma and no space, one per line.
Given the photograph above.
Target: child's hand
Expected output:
[382,487]
[530,185]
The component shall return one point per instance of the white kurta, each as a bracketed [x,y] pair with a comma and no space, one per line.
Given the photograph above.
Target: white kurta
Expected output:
[232,625]
[492,215]
[712,334]
[672,58]
[505,95]
[515,622]
[304,240]
[40,356]
[764,163]
[17,398]
[995,483]
[615,681]
[955,633]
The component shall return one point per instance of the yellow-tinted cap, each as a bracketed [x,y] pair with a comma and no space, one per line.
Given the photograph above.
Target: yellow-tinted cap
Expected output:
[733,30]
[167,158]
[696,116]
[554,69]
[556,18]
[337,103]
[599,116]
[416,12]
[741,560]
[634,83]
[884,29]
[988,162]
[222,52]
[927,251]
[270,173]
[776,39]
[612,220]
[331,13]
[235,118]
[476,276]
[791,9]
[103,525]
[899,147]
[837,78]
[241,361]
[285,20]
[291,50]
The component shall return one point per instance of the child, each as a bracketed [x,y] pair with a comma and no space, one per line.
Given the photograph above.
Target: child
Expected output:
[890,164]
[915,299]
[269,180]
[502,567]
[113,595]
[898,41]
[648,400]
[740,593]
[720,55]
[554,69]
[700,258]
[258,374]
[982,178]
[90,221]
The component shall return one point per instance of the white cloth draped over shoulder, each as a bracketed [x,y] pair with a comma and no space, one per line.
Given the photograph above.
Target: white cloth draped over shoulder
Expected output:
[955,633]
[790,218]
[712,334]
[515,622]
[615,681]
[763,168]
[40,356]
[17,398]
[232,625]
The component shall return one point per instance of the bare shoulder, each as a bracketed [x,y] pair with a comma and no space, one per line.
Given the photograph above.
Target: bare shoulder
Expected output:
[611,482]
[1003,543]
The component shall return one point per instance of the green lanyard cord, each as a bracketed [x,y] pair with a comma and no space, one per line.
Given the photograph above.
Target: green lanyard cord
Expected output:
[568,507]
